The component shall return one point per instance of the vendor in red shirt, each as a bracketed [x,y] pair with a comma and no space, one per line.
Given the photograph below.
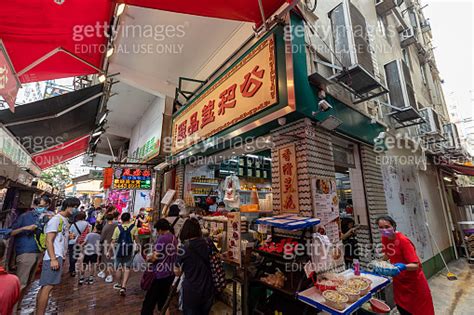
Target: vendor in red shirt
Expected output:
[9,288]
[411,290]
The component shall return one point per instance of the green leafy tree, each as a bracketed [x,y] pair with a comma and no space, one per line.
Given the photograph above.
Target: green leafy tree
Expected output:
[58,176]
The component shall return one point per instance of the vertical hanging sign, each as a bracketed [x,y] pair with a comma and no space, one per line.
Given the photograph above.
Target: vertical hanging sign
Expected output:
[288,179]
[9,83]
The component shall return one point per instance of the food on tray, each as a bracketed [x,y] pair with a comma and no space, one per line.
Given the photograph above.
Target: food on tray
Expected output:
[359,283]
[352,293]
[384,268]
[335,299]
[277,279]
[328,281]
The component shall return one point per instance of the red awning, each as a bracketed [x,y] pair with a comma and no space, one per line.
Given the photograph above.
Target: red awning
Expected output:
[62,153]
[239,10]
[34,28]
[461,169]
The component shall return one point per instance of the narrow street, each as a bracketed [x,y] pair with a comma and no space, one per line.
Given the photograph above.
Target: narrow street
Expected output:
[449,297]
[454,297]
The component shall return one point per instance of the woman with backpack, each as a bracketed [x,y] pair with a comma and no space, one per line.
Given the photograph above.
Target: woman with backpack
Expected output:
[163,259]
[194,262]
[80,228]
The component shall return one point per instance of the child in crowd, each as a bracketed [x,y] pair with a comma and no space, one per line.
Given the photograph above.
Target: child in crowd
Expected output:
[91,252]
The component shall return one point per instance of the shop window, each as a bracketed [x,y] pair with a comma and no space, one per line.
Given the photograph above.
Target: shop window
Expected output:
[206,185]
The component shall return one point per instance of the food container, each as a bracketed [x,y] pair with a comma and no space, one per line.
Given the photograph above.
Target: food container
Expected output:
[384,268]
[359,283]
[335,299]
[352,294]
[379,306]
[326,282]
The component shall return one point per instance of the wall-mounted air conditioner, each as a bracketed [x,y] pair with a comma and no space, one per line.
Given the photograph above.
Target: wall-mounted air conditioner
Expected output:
[400,85]
[384,7]
[432,125]
[452,137]
[407,37]
[353,52]
[425,26]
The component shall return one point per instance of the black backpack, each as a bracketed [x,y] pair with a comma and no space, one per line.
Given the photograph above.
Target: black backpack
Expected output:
[125,241]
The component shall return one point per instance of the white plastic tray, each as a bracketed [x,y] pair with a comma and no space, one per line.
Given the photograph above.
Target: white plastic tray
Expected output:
[312,296]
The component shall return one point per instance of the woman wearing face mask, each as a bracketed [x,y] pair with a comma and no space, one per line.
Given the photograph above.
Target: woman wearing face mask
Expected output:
[411,290]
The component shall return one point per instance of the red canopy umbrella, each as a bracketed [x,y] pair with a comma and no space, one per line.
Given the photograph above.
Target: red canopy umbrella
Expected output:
[239,10]
[35,30]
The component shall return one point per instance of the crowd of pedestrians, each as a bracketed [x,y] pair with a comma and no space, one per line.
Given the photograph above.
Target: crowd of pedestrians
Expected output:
[101,242]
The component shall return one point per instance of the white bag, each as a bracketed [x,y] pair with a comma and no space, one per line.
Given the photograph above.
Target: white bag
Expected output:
[138,263]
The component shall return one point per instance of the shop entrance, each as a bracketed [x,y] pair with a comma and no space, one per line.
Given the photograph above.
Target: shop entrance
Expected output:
[349,182]
[240,178]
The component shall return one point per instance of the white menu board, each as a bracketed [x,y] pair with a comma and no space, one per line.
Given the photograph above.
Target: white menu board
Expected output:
[326,205]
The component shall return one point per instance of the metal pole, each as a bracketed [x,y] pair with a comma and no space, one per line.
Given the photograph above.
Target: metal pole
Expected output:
[262,13]
[110,147]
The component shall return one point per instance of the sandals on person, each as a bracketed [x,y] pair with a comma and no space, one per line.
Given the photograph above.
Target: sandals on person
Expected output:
[123,291]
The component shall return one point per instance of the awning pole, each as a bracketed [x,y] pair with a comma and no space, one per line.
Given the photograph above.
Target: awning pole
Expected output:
[110,147]
[262,13]
[67,110]
[52,53]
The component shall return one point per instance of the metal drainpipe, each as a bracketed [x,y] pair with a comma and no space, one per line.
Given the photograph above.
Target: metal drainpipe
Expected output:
[447,216]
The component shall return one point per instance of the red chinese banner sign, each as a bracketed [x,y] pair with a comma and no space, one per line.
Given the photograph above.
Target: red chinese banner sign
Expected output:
[9,85]
[247,88]
[288,179]
[108,177]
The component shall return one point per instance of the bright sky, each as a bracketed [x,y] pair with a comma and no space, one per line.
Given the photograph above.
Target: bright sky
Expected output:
[453,35]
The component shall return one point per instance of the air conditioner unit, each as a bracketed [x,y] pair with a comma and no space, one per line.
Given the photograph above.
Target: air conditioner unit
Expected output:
[407,37]
[452,137]
[425,26]
[384,7]
[431,126]
[354,53]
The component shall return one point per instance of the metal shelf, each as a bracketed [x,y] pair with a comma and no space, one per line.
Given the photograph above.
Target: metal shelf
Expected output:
[204,184]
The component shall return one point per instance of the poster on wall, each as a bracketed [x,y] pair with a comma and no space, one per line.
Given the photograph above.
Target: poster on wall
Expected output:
[326,205]
[405,205]
[120,199]
[288,179]
[142,200]
[234,237]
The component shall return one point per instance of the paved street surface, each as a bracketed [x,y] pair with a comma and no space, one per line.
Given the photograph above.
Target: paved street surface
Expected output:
[450,297]
[98,298]
[454,297]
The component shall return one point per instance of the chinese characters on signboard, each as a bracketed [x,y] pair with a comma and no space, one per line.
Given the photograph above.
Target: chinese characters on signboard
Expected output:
[288,179]
[244,90]
[326,205]
[132,178]
[9,84]
[149,150]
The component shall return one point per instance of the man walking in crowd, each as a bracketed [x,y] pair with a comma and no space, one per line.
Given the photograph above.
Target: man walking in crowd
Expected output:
[9,288]
[26,249]
[106,240]
[123,245]
[79,227]
[57,233]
